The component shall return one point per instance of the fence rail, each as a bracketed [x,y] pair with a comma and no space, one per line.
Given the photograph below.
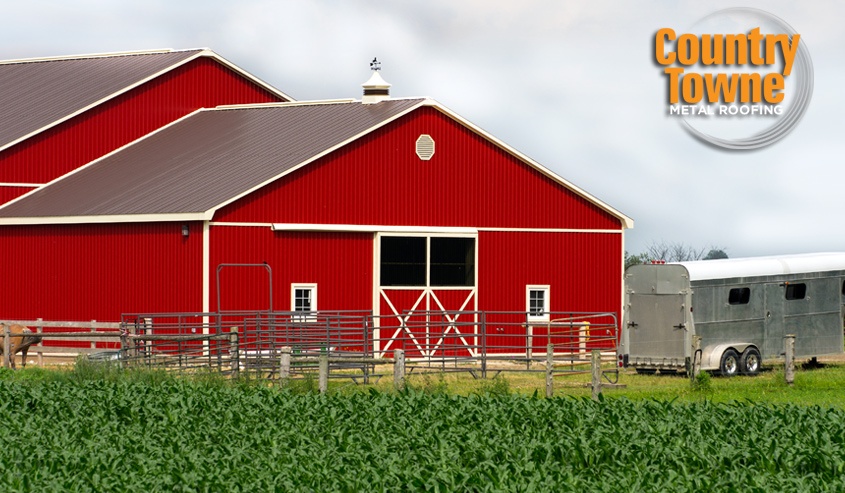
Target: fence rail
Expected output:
[351,344]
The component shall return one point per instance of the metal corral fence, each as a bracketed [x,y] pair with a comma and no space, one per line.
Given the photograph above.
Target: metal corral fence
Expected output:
[357,343]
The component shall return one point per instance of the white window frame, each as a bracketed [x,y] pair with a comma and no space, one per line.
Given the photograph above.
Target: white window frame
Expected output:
[304,286]
[546,289]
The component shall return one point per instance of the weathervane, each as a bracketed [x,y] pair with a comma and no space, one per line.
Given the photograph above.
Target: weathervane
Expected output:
[375,65]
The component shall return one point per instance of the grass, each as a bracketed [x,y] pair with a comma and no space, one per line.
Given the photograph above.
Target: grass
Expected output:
[822,386]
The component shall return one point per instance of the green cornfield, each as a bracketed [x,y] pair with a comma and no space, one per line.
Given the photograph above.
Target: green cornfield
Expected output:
[163,433]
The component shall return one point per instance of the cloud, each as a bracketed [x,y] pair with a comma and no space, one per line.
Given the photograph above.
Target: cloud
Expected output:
[571,84]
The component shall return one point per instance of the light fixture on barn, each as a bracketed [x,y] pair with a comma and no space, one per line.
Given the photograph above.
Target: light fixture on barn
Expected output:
[185,231]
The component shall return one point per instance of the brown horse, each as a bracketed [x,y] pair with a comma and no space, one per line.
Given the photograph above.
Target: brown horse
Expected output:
[19,342]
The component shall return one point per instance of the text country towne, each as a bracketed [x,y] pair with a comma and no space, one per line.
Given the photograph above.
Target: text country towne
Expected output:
[740,50]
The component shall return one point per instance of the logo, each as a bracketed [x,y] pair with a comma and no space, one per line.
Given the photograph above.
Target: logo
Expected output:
[738,79]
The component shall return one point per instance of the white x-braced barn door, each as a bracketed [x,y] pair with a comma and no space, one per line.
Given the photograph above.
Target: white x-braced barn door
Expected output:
[423,282]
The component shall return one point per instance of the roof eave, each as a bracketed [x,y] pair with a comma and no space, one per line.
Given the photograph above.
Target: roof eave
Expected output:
[104,219]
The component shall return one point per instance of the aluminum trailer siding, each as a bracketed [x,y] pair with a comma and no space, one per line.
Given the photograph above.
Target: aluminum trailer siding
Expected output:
[741,309]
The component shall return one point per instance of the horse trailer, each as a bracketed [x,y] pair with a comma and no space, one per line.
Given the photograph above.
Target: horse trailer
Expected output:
[740,308]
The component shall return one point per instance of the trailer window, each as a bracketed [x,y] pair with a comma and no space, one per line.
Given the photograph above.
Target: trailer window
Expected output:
[739,296]
[796,291]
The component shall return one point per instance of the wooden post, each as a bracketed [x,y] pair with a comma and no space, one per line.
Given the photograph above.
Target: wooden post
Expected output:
[284,366]
[789,360]
[39,329]
[550,366]
[324,372]
[233,351]
[93,330]
[696,358]
[595,366]
[124,348]
[7,347]
[399,369]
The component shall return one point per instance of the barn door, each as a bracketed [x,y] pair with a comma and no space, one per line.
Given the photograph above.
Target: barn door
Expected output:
[423,282]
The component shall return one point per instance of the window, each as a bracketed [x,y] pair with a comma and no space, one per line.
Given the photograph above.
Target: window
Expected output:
[796,291]
[303,298]
[537,303]
[452,261]
[739,296]
[423,261]
[403,261]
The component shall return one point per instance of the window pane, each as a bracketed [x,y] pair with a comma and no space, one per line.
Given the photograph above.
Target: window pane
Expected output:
[452,261]
[796,291]
[536,302]
[739,296]
[402,261]
[302,300]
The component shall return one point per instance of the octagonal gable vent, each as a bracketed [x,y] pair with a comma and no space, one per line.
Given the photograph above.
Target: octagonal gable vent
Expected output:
[425,147]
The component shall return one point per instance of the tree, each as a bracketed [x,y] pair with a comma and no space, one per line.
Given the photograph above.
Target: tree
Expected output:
[715,253]
[673,252]
[635,259]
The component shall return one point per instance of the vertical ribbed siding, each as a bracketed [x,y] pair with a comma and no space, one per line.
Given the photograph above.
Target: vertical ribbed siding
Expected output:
[583,270]
[97,272]
[339,263]
[9,193]
[379,179]
[200,83]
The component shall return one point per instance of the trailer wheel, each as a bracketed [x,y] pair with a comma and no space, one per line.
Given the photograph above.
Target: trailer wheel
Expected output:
[749,363]
[729,365]
[646,371]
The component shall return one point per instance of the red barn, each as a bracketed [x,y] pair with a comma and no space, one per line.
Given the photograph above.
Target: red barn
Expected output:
[60,113]
[390,205]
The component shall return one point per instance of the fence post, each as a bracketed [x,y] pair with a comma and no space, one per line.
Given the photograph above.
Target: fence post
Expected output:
[550,366]
[284,366]
[93,330]
[696,358]
[124,351]
[233,351]
[484,345]
[39,329]
[7,362]
[595,366]
[399,369]
[324,372]
[789,360]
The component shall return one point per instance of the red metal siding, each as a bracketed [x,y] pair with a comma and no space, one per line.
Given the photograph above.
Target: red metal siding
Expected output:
[583,270]
[97,272]
[341,264]
[378,179]
[200,83]
[9,193]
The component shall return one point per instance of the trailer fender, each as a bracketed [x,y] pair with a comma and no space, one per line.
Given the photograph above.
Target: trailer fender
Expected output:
[711,356]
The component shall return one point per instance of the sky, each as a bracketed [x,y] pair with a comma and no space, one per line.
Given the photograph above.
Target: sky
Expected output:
[573,85]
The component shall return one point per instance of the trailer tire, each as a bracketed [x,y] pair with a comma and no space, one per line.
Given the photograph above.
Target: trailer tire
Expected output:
[646,371]
[729,365]
[750,361]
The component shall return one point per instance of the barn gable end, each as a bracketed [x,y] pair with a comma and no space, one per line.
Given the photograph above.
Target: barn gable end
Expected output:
[80,108]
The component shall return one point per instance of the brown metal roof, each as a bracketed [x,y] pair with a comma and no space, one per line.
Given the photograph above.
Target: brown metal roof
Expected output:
[206,160]
[37,94]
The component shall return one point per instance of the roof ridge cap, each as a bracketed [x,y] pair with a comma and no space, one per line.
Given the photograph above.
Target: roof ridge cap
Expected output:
[97,55]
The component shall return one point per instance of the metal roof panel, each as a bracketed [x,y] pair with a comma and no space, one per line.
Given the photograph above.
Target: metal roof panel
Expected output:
[205,160]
